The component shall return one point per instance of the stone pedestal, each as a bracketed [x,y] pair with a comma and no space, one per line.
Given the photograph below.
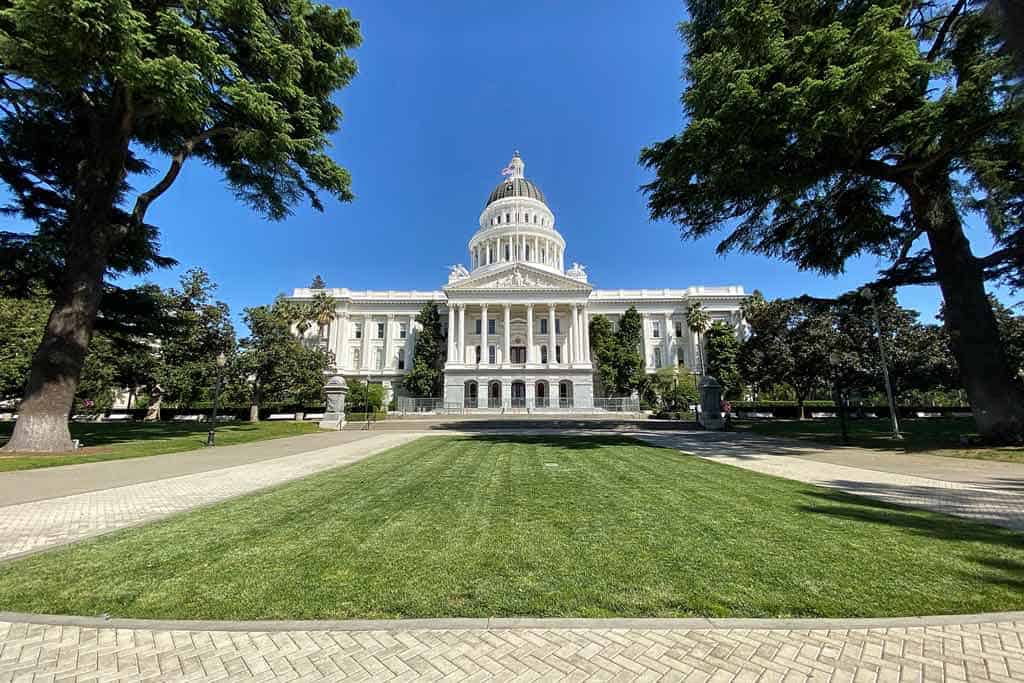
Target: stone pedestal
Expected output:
[334,414]
[710,416]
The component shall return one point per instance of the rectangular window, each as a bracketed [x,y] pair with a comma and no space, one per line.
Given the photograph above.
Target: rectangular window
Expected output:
[491,358]
[558,326]
[543,354]
[657,358]
[478,325]
[403,330]
[679,329]
[655,329]
[478,354]
[357,331]
[543,326]
[558,354]
[682,358]
[356,357]
[401,361]
[378,358]
[490,326]
[380,330]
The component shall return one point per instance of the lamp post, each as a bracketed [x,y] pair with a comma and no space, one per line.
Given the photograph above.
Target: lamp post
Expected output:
[869,294]
[222,360]
[836,360]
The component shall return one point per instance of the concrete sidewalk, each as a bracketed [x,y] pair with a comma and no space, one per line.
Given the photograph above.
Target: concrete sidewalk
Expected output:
[41,524]
[24,486]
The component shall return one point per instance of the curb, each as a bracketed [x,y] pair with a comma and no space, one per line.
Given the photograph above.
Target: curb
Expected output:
[514,623]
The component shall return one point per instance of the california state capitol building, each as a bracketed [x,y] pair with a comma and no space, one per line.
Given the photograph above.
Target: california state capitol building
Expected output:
[516,319]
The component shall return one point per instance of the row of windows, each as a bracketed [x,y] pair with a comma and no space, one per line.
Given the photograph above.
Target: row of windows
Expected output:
[357,330]
[518,354]
[680,359]
[378,359]
[656,328]
[537,219]
[485,255]
[492,324]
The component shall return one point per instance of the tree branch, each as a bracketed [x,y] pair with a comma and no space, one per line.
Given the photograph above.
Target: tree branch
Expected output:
[143,201]
[940,37]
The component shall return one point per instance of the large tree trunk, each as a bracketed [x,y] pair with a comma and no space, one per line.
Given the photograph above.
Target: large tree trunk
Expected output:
[42,424]
[996,401]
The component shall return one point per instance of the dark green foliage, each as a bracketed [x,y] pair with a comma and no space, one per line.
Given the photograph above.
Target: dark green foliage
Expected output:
[364,397]
[92,94]
[620,366]
[722,348]
[818,133]
[426,377]
[272,364]
[21,327]
[188,367]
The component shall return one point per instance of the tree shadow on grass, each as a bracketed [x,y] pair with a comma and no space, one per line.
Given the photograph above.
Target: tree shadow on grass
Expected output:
[916,520]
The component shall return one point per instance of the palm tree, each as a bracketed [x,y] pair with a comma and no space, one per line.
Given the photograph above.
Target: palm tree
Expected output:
[322,311]
[698,321]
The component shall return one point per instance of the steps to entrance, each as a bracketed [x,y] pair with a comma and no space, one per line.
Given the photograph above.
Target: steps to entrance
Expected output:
[467,423]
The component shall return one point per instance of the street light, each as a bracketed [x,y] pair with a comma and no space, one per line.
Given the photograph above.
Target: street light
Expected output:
[835,360]
[222,360]
[869,294]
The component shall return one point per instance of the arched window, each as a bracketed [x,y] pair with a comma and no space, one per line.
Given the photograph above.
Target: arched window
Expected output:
[535,219]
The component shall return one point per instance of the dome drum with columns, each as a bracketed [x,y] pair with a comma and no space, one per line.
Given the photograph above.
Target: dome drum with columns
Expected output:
[516,318]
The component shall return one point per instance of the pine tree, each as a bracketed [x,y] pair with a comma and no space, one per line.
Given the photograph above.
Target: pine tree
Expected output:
[426,377]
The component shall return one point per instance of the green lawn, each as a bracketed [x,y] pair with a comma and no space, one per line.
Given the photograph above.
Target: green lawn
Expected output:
[113,441]
[541,526]
[933,436]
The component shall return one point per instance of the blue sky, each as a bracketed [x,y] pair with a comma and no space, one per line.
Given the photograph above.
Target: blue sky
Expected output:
[446,90]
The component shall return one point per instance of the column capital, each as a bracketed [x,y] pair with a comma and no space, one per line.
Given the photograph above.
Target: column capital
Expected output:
[390,316]
[551,307]
[506,306]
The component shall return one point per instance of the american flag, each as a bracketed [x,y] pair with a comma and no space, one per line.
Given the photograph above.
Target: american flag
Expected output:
[507,171]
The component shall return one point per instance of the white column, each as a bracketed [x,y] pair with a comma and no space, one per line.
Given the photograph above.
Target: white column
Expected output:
[388,344]
[462,333]
[506,354]
[341,341]
[451,333]
[586,334]
[578,323]
[666,341]
[410,341]
[484,356]
[551,334]
[367,321]
[570,339]
[529,333]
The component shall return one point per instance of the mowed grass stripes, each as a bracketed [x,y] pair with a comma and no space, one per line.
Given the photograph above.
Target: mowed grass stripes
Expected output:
[539,526]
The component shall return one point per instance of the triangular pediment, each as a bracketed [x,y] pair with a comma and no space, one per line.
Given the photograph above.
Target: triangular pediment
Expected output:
[517,276]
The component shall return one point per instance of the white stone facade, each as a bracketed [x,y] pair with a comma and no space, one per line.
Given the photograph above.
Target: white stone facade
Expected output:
[533,351]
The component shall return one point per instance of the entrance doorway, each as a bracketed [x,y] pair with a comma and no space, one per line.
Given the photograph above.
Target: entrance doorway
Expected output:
[541,393]
[494,394]
[472,390]
[518,394]
[565,394]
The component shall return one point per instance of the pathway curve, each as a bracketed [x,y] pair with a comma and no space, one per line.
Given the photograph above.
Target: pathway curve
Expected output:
[985,648]
[978,490]
[40,524]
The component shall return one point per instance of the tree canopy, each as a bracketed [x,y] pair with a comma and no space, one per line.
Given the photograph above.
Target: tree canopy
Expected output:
[94,95]
[425,378]
[817,133]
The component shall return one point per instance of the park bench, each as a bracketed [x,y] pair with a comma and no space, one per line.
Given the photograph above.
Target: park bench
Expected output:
[188,418]
[921,413]
[282,416]
[314,416]
[817,416]
[757,415]
[117,417]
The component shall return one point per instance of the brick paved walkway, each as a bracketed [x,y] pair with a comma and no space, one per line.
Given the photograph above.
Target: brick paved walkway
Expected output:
[987,649]
[30,527]
[955,490]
